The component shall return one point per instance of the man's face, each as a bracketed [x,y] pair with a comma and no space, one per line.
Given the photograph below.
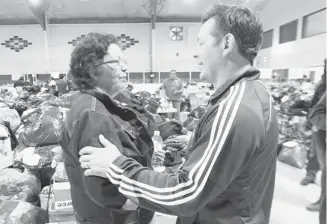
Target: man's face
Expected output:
[112,76]
[209,52]
[173,75]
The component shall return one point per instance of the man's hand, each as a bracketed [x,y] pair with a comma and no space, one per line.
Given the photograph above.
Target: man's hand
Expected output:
[97,161]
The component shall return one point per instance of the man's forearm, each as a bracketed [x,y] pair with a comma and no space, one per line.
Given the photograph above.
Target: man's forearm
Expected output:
[150,189]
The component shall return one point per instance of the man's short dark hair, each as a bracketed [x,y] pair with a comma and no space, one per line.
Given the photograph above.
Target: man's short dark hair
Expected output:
[89,52]
[61,76]
[239,21]
[21,78]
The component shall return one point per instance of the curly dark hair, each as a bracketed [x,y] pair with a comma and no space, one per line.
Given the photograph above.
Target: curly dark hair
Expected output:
[239,21]
[89,52]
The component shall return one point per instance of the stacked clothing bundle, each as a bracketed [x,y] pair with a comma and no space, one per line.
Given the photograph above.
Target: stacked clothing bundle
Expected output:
[30,125]
[292,108]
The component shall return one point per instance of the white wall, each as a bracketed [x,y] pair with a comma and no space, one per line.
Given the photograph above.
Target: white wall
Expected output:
[166,49]
[307,52]
[33,59]
[279,12]
[302,53]
[60,35]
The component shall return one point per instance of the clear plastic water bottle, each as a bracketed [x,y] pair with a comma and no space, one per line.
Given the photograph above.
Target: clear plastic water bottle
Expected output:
[157,164]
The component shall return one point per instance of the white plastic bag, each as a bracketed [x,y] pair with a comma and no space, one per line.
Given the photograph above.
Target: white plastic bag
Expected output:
[10,116]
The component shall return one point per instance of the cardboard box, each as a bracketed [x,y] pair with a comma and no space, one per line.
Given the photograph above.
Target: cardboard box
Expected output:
[62,216]
[62,196]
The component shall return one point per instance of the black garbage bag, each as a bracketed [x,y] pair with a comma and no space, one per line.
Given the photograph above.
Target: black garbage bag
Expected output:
[190,123]
[186,106]
[170,128]
[47,128]
[176,145]
[193,118]
[299,108]
[44,170]
[32,89]
[197,112]
[173,158]
[146,99]
[36,100]
[20,107]
[65,101]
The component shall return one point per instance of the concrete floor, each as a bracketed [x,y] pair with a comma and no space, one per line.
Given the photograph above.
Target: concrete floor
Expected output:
[289,202]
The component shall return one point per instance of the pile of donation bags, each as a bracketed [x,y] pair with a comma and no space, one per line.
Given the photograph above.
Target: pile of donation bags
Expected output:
[30,125]
[292,108]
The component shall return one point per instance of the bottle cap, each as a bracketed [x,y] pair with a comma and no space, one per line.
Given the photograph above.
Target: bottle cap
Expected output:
[156,132]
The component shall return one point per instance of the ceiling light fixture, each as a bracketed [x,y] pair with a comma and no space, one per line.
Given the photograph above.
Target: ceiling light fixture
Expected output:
[35,3]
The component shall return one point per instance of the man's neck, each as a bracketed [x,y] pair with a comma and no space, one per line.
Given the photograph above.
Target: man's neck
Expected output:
[231,71]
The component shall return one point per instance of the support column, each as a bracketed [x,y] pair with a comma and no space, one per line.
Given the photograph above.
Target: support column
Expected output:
[299,28]
[152,35]
[47,47]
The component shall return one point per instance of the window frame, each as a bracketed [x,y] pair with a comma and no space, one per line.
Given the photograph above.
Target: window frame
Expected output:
[280,27]
[303,23]
[272,38]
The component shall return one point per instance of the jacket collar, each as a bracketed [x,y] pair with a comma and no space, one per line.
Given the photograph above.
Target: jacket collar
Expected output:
[251,74]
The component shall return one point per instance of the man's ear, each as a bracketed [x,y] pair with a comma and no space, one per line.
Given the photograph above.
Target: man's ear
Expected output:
[229,43]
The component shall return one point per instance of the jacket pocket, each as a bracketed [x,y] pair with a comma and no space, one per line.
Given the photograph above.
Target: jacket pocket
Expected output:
[132,134]
[134,146]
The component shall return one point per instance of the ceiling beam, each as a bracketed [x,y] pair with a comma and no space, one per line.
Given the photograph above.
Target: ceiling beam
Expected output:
[159,19]
[177,19]
[97,20]
[102,20]
[11,22]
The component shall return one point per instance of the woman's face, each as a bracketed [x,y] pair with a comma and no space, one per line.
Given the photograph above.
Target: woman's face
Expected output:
[112,77]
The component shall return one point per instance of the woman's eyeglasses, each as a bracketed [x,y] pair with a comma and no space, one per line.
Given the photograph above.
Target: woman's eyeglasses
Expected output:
[108,62]
[120,62]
